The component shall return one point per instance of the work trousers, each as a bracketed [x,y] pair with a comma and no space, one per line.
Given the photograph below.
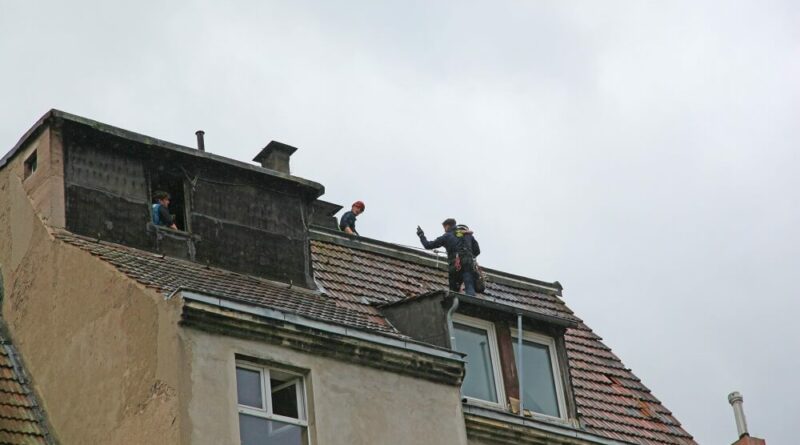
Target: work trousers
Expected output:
[466,276]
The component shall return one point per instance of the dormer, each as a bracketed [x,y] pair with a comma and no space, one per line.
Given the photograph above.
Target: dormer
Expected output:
[507,346]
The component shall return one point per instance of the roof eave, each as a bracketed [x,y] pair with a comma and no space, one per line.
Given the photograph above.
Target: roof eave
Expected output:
[481,302]
[512,310]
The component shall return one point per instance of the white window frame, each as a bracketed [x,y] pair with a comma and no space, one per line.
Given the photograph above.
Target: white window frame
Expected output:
[550,342]
[265,412]
[494,353]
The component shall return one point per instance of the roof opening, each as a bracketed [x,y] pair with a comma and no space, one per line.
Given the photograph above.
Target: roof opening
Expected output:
[174,185]
[30,165]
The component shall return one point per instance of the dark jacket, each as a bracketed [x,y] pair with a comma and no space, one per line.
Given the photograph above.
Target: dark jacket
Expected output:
[466,245]
[161,216]
[348,220]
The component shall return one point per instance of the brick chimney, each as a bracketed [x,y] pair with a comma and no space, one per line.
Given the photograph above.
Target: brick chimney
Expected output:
[275,156]
[736,400]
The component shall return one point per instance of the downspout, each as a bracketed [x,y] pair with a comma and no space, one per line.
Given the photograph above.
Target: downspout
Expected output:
[520,380]
[450,329]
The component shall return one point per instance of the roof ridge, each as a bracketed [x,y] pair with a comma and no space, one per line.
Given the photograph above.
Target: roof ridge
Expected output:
[417,255]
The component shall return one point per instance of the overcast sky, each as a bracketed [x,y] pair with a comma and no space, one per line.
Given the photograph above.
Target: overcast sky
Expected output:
[643,154]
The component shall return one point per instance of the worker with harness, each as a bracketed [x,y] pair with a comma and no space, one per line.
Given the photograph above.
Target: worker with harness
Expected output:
[462,248]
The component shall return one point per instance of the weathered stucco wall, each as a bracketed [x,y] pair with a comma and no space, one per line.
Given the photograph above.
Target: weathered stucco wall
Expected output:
[102,350]
[45,187]
[348,404]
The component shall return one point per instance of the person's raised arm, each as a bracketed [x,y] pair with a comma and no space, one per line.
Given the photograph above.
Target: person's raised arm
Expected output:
[438,242]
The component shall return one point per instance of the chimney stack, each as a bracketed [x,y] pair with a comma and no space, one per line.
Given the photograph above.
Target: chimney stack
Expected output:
[201,143]
[275,156]
[736,400]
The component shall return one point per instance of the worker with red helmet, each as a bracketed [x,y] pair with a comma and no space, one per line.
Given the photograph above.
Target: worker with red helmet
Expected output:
[348,222]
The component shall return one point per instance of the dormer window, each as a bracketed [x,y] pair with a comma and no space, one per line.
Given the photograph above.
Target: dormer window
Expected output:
[495,365]
[542,390]
[477,339]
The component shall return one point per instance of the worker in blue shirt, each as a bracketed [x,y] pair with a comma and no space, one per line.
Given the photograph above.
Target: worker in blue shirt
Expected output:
[161,216]
[348,222]
[462,248]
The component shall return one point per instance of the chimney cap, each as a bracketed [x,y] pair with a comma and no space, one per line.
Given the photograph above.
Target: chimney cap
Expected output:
[274,146]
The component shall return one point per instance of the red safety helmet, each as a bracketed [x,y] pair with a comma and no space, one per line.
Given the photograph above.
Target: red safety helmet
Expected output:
[360,205]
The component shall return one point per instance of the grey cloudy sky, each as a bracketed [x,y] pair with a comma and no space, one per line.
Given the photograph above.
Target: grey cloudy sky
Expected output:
[644,154]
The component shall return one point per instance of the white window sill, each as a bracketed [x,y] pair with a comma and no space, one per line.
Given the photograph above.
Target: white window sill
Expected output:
[469,402]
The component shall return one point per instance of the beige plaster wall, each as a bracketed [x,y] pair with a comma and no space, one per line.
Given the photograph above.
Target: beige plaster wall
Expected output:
[348,404]
[102,350]
[45,186]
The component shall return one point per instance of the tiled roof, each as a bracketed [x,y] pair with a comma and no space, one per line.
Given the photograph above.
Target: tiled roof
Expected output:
[168,275]
[355,277]
[352,275]
[611,401]
[20,417]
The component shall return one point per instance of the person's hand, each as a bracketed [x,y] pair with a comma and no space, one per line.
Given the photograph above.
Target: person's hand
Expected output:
[420,233]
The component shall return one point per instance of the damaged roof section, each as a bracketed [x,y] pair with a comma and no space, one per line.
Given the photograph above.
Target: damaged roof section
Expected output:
[21,418]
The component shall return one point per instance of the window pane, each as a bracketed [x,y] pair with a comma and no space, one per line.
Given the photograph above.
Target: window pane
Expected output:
[248,387]
[284,399]
[258,431]
[539,387]
[479,381]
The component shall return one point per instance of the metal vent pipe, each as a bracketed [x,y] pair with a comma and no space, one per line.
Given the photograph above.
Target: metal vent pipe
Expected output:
[736,399]
[201,143]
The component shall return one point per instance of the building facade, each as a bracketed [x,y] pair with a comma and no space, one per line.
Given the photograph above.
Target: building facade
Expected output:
[257,322]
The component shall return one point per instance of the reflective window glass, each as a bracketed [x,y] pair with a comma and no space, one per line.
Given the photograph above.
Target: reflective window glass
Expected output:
[260,431]
[539,387]
[479,382]
[248,387]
